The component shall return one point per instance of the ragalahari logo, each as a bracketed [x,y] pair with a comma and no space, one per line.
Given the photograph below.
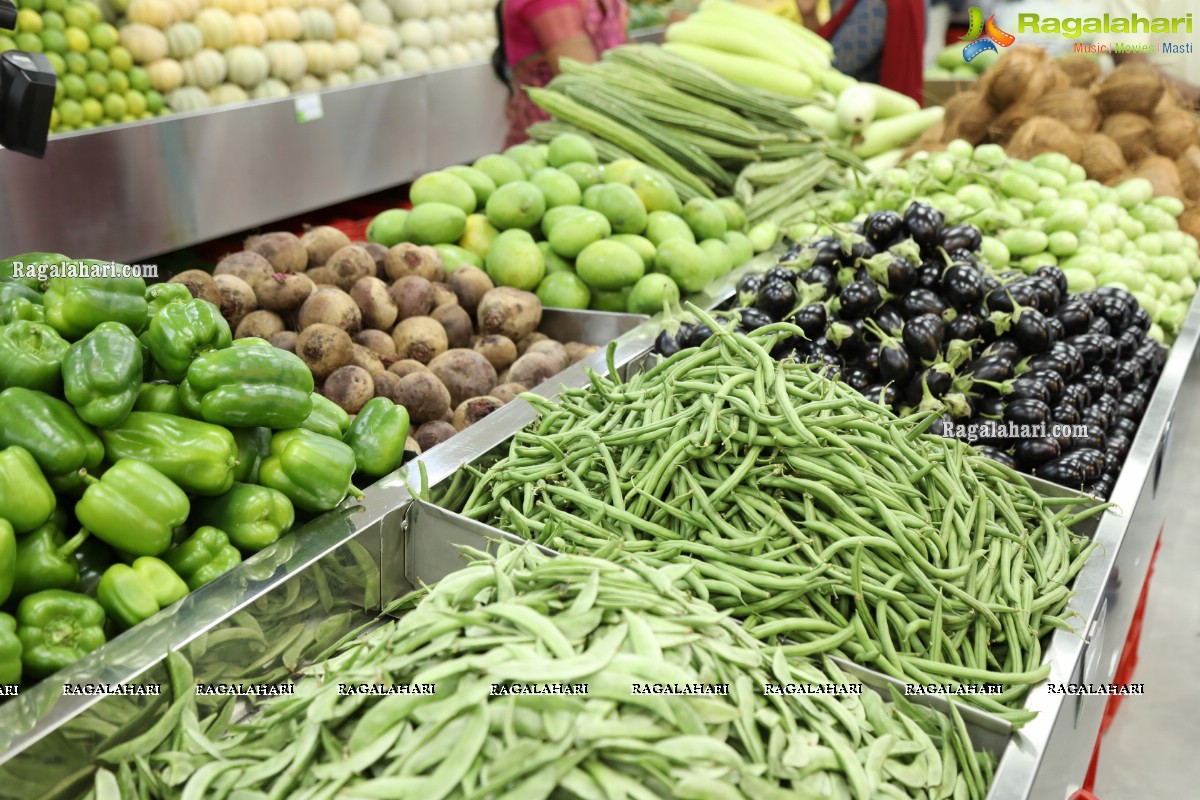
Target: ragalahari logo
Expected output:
[983,37]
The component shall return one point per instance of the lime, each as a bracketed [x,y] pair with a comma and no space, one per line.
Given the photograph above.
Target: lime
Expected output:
[65,129]
[686,263]
[97,84]
[128,118]
[154,102]
[121,58]
[115,106]
[32,5]
[52,20]
[29,21]
[609,265]
[87,126]
[93,11]
[71,112]
[29,42]
[387,228]
[56,61]
[55,119]
[75,87]
[146,115]
[77,62]
[616,301]
[57,6]
[77,40]
[7,43]
[103,36]
[118,81]
[78,16]
[139,79]
[136,102]
[651,293]
[99,60]
[54,41]
[567,148]
[564,290]
[59,92]
[93,110]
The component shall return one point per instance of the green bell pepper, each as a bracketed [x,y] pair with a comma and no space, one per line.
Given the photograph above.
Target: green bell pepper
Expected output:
[249,386]
[133,507]
[160,295]
[326,418]
[377,437]
[160,397]
[31,356]
[181,331]
[53,433]
[203,556]
[102,374]
[198,456]
[314,471]
[130,594]
[75,306]
[57,628]
[19,309]
[253,446]
[10,650]
[26,499]
[252,516]
[17,291]
[91,559]
[46,560]
[28,263]
[8,559]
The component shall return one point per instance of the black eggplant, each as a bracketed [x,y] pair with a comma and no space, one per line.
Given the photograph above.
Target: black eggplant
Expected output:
[870,357]
[858,377]
[1124,425]
[1057,331]
[929,275]
[860,251]
[1052,361]
[1118,311]
[1103,488]
[1132,405]
[961,237]
[813,319]
[1099,325]
[859,299]
[666,344]
[895,362]
[1078,394]
[1027,411]
[921,301]
[899,275]
[827,253]
[1075,317]
[754,318]
[1052,379]
[990,282]
[923,336]
[962,257]
[776,298]
[1055,275]
[1128,342]
[1047,293]
[750,284]
[883,394]
[1032,452]
[1129,373]
[781,273]
[791,348]
[1096,438]
[924,224]
[991,368]
[1141,319]
[967,327]
[1071,355]
[1065,414]
[991,407]
[693,335]
[1097,415]
[1004,347]
[888,318]
[845,337]
[882,228]
[1112,386]
[1032,331]
[996,454]
[1062,471]
[1094,379]
[822,276]
[962,287]
[1118,449]
[938,378]
[1091,462]
[1031,387]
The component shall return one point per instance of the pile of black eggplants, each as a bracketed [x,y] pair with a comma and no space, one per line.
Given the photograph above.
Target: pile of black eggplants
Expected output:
[898,308]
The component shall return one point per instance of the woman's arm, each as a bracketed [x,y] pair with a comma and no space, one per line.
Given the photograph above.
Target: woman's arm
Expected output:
[808,13]
[561,34]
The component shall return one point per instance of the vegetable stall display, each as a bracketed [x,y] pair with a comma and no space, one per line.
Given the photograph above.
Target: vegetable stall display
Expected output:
[814,515]
[899,308]
[132,422]
[1037,213]
[525,617]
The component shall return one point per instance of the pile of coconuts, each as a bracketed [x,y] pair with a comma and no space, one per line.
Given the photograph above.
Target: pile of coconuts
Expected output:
[372,321]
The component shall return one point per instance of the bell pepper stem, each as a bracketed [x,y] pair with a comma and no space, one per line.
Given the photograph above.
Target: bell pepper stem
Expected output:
[87,478]
[73,544]
[355,492]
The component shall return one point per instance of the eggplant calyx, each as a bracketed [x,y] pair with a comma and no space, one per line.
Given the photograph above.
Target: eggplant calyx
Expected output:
[1022,366]
[809,293]
[885,338]
[957,404]
[929,403]
[907,249]
[1003,387]
[1002,321]
[845,276]
[960,351]
[838,332]
[877,266]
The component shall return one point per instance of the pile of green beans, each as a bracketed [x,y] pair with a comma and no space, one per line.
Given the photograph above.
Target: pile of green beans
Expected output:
[813,514]
[529,617]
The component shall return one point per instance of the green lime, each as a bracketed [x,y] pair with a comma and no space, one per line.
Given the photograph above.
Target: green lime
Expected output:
[154,102]
[121,58]
[77,40]
[136,102]
[103,36]
[55,119]
[53,21]
[71,112]
[7,43]
[77,63]
[139,79]
[564,290]
[93,109]
[686,263]
[609,265]
[146,115]
[57,6]
[615,301]
[29,42]
[115,106]
[97,84]
[87,126]
[651,293]
[387,228]
[59,92]
[128,118]
[99,60]
[65,129]
[32,5]
[56,61]
[93,11]
[118,81]
[78,16]
[53,41]
[29,21]
[75,86]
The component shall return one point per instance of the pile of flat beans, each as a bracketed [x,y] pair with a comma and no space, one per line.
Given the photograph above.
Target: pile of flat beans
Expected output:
[815,516]
[529,617]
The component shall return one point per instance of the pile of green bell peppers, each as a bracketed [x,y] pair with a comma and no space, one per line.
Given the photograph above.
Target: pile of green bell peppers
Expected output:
[154,453]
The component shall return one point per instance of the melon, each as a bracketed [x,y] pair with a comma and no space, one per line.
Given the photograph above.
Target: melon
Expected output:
[346,56]
[251,30]
[217,27]
[287,60]
[364,72]
[320,56]
[347,20]
[145,43]
[337,78]
[371,50]
[317,25]
[188,98]
[376,12]
[247,66]
[156,13]
[409,9]
[307,83]
[206,69]
[283,24]
[184,40]
[269,89]
[166,75]
[227,94]
[390,68]
[413,60]
[415,33]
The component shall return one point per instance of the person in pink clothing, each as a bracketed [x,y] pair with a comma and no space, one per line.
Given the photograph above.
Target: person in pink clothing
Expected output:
[535,34]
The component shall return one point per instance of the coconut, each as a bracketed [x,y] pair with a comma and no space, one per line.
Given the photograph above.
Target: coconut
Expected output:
[1006,125]
[1189,221]
[1024,74]
[1174,132]
[1188,167]
[968,115]
[1102,158]
[1080,70]
[1074,106]
[1044,135]
[933,140]
[1132,133]
[1134,87]
[1162,174]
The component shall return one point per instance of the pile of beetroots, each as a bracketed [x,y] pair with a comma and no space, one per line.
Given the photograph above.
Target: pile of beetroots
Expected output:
[898,307]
